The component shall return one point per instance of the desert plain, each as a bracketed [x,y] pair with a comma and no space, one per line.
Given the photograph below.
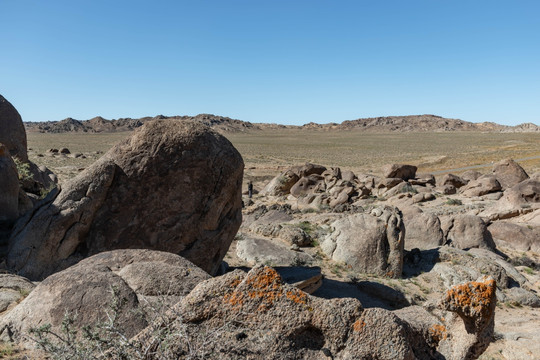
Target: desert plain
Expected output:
[269,152]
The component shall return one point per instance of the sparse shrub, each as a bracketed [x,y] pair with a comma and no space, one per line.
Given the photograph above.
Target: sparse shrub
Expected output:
[23,169]
[454,202]
[408,188]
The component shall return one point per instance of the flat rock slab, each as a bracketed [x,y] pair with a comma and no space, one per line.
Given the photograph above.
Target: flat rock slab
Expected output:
[307,279]
[262,251]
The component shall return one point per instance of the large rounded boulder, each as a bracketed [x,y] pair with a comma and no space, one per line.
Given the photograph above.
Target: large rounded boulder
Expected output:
[172,185]
[12,133]
[370,243]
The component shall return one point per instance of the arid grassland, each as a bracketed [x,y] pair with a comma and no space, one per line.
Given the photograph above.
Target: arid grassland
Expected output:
[267,151]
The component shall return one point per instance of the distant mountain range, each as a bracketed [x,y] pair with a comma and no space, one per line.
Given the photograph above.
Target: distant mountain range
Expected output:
[410,123]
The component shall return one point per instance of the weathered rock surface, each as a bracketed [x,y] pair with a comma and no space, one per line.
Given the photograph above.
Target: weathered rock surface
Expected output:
[171,186]
[370,243]
[454,180]
[9,187]
[517,200]
[13,288]
[508,173]
[282,184]
[485,184]
[469,231]
[12,133]
[261,251]
[258,316]
[404,172]
[515,236]
[87,291]
[422,230]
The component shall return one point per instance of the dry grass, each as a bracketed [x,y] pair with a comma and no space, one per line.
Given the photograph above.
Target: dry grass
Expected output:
[266,152]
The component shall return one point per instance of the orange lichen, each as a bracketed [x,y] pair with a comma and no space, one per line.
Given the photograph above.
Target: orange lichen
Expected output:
[472,299]
[265,287]
[297,296]
[438,333]
[358,325]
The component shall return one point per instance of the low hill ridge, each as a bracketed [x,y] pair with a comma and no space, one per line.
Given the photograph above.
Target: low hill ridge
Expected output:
[407,123]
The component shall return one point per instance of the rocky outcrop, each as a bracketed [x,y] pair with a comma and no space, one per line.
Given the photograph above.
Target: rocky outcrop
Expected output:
[282,184]
[88,291]
[171,186]
[258,316]
[519,199]
[508,173]
[370,243]
[13,134]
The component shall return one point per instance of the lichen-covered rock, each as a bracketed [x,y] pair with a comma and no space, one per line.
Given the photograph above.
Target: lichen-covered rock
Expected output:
[12,132]
[257,316]
[172,185]
[370,243]
[474,302]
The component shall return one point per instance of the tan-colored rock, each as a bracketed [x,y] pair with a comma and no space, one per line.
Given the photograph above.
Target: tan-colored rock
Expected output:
[172,185]
[401,171]
[483,185]
[370,243]
[469,231]
[282,184]
[422,230]
[521,238]
[451,179]
[508,173]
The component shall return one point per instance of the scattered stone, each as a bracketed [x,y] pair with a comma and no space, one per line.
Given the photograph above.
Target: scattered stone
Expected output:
[64,151]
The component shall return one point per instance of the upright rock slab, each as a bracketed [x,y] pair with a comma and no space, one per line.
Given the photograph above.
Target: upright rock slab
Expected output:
[173,186]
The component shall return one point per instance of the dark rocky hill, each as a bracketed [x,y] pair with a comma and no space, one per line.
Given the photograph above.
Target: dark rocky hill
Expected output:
[409,123]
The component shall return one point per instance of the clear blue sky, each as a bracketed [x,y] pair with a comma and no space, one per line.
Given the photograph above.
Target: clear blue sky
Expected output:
[272,61]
